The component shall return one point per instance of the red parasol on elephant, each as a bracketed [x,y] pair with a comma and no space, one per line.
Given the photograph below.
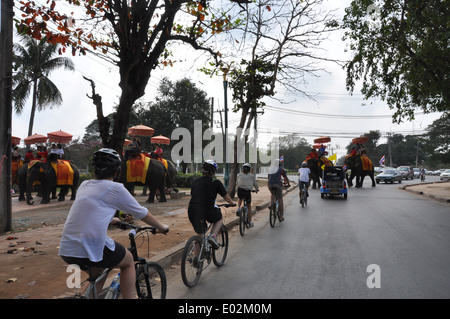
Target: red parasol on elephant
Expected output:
[322,139]
[160,140]
[15,140]
[360,140]
[140,130]
[60,137]
[35,138]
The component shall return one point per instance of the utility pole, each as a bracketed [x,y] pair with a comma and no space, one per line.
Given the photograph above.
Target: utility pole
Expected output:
[6,42]
[212,114]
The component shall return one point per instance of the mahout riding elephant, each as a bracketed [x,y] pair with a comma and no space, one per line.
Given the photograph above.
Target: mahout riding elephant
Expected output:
[315,166]
[355,164]
[46,173]
[154,178]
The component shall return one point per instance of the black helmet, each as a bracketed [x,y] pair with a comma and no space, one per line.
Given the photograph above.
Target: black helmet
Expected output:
[106,158]
[209,166]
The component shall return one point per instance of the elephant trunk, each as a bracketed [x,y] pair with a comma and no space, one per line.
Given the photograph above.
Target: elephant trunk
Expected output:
[30,181]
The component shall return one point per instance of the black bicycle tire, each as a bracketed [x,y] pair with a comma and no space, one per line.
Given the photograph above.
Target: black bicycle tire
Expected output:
[187,282]
[223,240]
[150,290]
[242,221]
[272,215]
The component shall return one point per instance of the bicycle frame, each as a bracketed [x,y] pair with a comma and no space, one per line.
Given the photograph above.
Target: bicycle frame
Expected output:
[91,291]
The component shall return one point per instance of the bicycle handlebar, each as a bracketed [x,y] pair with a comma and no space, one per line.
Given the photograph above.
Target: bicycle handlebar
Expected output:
[153,230]
[226,205]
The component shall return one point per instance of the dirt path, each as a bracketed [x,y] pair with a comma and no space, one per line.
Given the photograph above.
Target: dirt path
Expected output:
[30,266]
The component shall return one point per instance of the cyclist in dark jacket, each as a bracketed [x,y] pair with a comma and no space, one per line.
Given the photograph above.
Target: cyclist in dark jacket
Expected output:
[276,172]
[201,208]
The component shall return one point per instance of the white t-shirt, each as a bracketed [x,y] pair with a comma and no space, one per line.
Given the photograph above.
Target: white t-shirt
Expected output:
[85,231]
[304,174]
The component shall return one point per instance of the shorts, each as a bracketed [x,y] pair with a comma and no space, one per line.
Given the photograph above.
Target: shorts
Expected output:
[245,194]
[198,217]
[301,183]
[110,258]
[276,188]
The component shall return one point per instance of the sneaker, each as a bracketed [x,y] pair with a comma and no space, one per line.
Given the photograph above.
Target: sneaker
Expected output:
[250,224]
[213,241]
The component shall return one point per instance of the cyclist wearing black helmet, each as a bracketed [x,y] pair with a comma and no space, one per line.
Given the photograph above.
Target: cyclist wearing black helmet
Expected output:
[245,183]
[201,208]
[84,240]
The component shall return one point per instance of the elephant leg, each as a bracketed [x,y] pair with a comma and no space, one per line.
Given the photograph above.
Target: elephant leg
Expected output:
[144,191]
[54,193]
[373,179]
[73,190]
[62,193]
[350,180]
[151,195]
[359,181]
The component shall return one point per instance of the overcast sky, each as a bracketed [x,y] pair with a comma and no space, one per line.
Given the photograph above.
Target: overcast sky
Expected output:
[331,114]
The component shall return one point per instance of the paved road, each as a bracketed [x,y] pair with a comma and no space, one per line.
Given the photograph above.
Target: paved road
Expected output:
[334,248]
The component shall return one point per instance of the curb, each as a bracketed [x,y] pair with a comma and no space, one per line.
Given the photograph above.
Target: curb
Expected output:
[173,255]
[435,197]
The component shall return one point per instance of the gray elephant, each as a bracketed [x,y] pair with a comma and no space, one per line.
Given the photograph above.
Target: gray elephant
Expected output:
[45,173]
[359,170]
[154,178]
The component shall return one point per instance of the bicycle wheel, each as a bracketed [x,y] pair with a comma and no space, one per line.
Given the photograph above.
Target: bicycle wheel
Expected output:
[151,281]
[303,199]
[272,215]
[219,255]
[242,220]
[191,268]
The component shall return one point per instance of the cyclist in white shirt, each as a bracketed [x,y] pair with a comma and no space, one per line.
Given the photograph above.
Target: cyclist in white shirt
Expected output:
[84,240]
[303,179]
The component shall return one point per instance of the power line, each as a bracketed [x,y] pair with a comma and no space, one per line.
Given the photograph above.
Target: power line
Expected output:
[335,116]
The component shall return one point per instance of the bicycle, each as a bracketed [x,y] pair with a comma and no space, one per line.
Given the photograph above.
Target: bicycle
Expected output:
[198,250]
[303,195]
[151,282]
[274,209]
[243,218]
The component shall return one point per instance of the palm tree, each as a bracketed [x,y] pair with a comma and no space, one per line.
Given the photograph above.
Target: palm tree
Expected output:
[33,63]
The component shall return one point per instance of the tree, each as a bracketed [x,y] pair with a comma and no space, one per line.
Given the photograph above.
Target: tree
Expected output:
[401,53]
[280,47]
[34,62]
[438,140]
[134,35]
[177,104]
[294,150]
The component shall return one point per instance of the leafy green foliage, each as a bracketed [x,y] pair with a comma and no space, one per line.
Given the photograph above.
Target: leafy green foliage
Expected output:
[401,53]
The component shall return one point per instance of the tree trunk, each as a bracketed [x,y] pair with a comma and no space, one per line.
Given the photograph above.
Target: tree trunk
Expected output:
[33,108]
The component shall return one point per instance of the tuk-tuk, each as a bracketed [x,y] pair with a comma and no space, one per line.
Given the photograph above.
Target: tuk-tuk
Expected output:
[333,182]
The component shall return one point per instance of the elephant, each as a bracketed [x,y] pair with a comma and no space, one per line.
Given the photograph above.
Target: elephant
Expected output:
[46,174]
[154,180]
[314,165]
[169,181]
[355,164]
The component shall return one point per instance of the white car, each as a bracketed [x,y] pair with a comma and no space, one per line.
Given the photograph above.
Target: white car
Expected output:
[445,175]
